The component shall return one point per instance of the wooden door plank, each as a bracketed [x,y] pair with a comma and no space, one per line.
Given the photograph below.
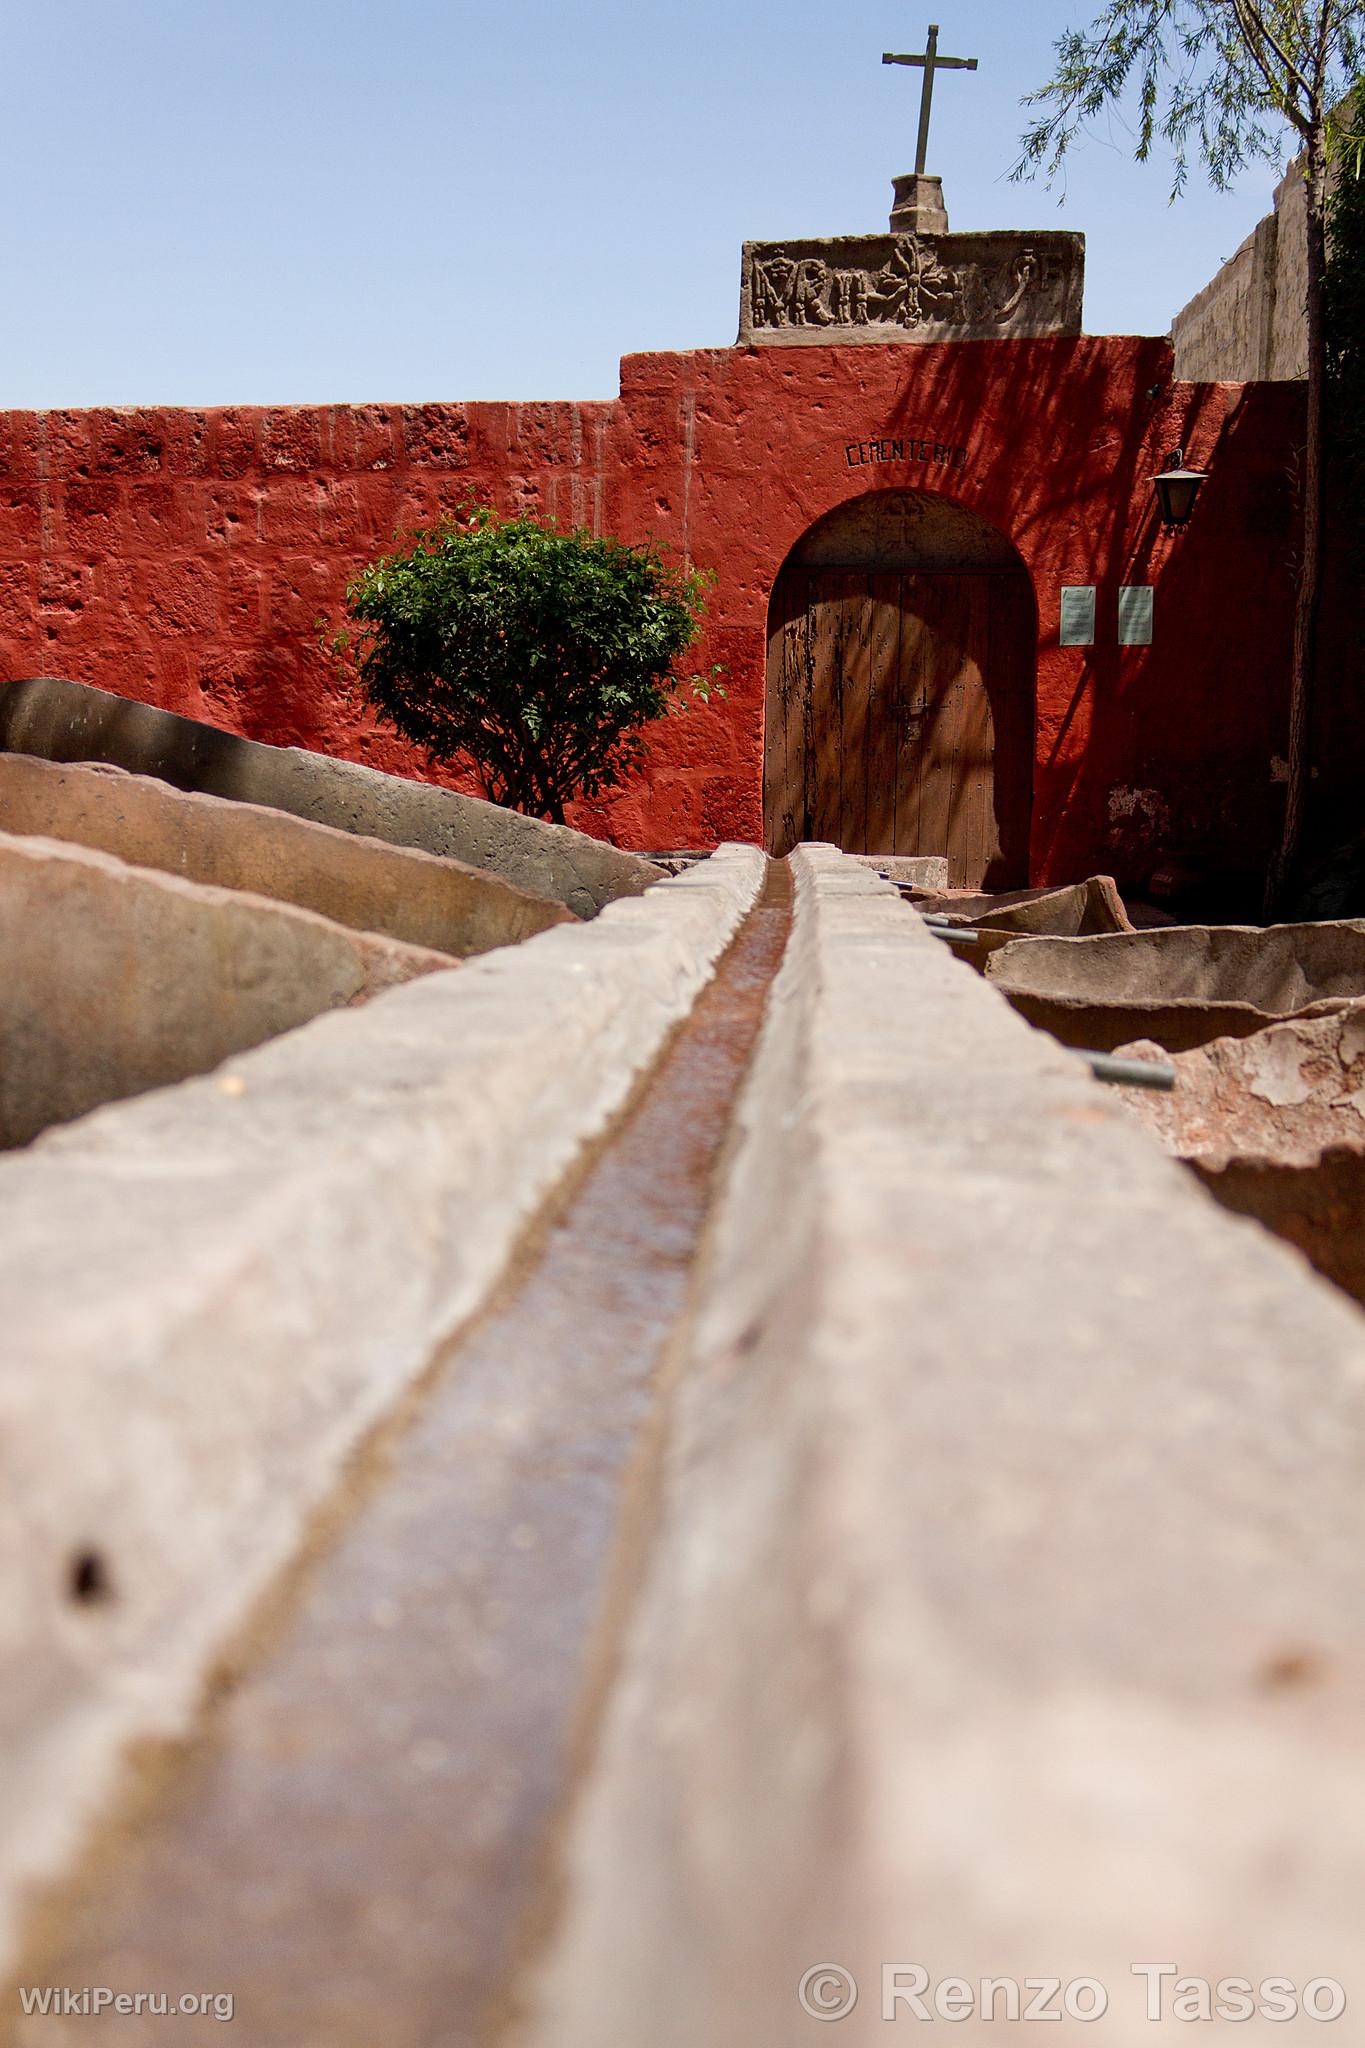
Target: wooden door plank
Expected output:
[934,604]
[809,753]
[951,606]
[795,687]
[856,690]
[828,613]
[783,734]
[913,694]
[975,840]
[883,709]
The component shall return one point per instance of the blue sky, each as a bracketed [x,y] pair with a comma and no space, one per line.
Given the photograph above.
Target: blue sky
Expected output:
[283,201]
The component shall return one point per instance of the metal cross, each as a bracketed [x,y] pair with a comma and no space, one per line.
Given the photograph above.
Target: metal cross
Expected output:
[929,63]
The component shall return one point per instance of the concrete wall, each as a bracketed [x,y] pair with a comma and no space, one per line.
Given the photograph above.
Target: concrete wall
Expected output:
[183,558]
[1226,330]
[1249,322]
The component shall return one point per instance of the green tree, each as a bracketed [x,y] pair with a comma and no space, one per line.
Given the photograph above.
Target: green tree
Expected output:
[534,653]
[1225,78]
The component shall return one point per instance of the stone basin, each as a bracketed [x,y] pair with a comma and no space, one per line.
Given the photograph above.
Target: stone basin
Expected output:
[1080,908]
[1287,1093]
[1274,1126]
[1180,985]
[117,979]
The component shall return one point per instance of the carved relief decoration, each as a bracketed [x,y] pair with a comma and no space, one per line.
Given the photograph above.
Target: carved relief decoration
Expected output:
[915,285]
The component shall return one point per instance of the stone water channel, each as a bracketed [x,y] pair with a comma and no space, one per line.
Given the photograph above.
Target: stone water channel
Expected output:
[400,1736]
[547,1503]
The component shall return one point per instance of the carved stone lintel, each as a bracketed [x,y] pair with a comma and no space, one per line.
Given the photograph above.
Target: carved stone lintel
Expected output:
[912,287]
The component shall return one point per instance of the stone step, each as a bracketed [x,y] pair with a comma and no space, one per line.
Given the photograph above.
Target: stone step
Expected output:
[363,883]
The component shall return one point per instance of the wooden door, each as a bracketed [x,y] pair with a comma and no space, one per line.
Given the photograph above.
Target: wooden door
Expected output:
[900,717]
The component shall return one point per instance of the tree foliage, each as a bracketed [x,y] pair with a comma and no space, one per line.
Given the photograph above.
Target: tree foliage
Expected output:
[535,653]
[1221,78]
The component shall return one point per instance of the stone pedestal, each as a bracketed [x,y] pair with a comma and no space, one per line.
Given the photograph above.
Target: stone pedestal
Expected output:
[918,208]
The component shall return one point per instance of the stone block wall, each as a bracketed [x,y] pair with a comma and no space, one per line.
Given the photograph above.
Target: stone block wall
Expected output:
[1249,322]
[1225,332]
[1289,323]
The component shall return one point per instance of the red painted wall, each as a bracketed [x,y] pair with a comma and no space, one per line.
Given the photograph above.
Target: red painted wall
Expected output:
[183,558]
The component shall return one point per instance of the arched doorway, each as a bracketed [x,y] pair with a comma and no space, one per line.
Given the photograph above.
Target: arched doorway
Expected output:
[902,649]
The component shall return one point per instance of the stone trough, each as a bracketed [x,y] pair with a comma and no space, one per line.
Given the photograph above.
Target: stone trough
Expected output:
[1182,985]
[360,882]
[117,979]
[209,1294]
[59,720]
[1079,910]
[1274,1126]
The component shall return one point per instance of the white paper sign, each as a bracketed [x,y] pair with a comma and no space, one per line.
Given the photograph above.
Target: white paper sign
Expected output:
[1135,615]
[1078,615]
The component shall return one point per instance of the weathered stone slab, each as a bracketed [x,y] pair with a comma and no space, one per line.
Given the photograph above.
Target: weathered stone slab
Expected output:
[117,979]
[1274,1125]
[65,721]
[1180,985]
[919,870]
[1079,910]
[850,288]
[1285,1093]
[363,883]
[208,1295]
[1005,1613]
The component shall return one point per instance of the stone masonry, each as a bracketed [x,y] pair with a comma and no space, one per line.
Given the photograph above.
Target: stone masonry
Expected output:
[1249,321]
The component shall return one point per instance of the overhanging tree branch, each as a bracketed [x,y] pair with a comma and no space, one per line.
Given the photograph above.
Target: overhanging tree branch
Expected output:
[1256,31]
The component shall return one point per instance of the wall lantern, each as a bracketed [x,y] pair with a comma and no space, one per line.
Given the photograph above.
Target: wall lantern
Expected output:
[1176,490]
